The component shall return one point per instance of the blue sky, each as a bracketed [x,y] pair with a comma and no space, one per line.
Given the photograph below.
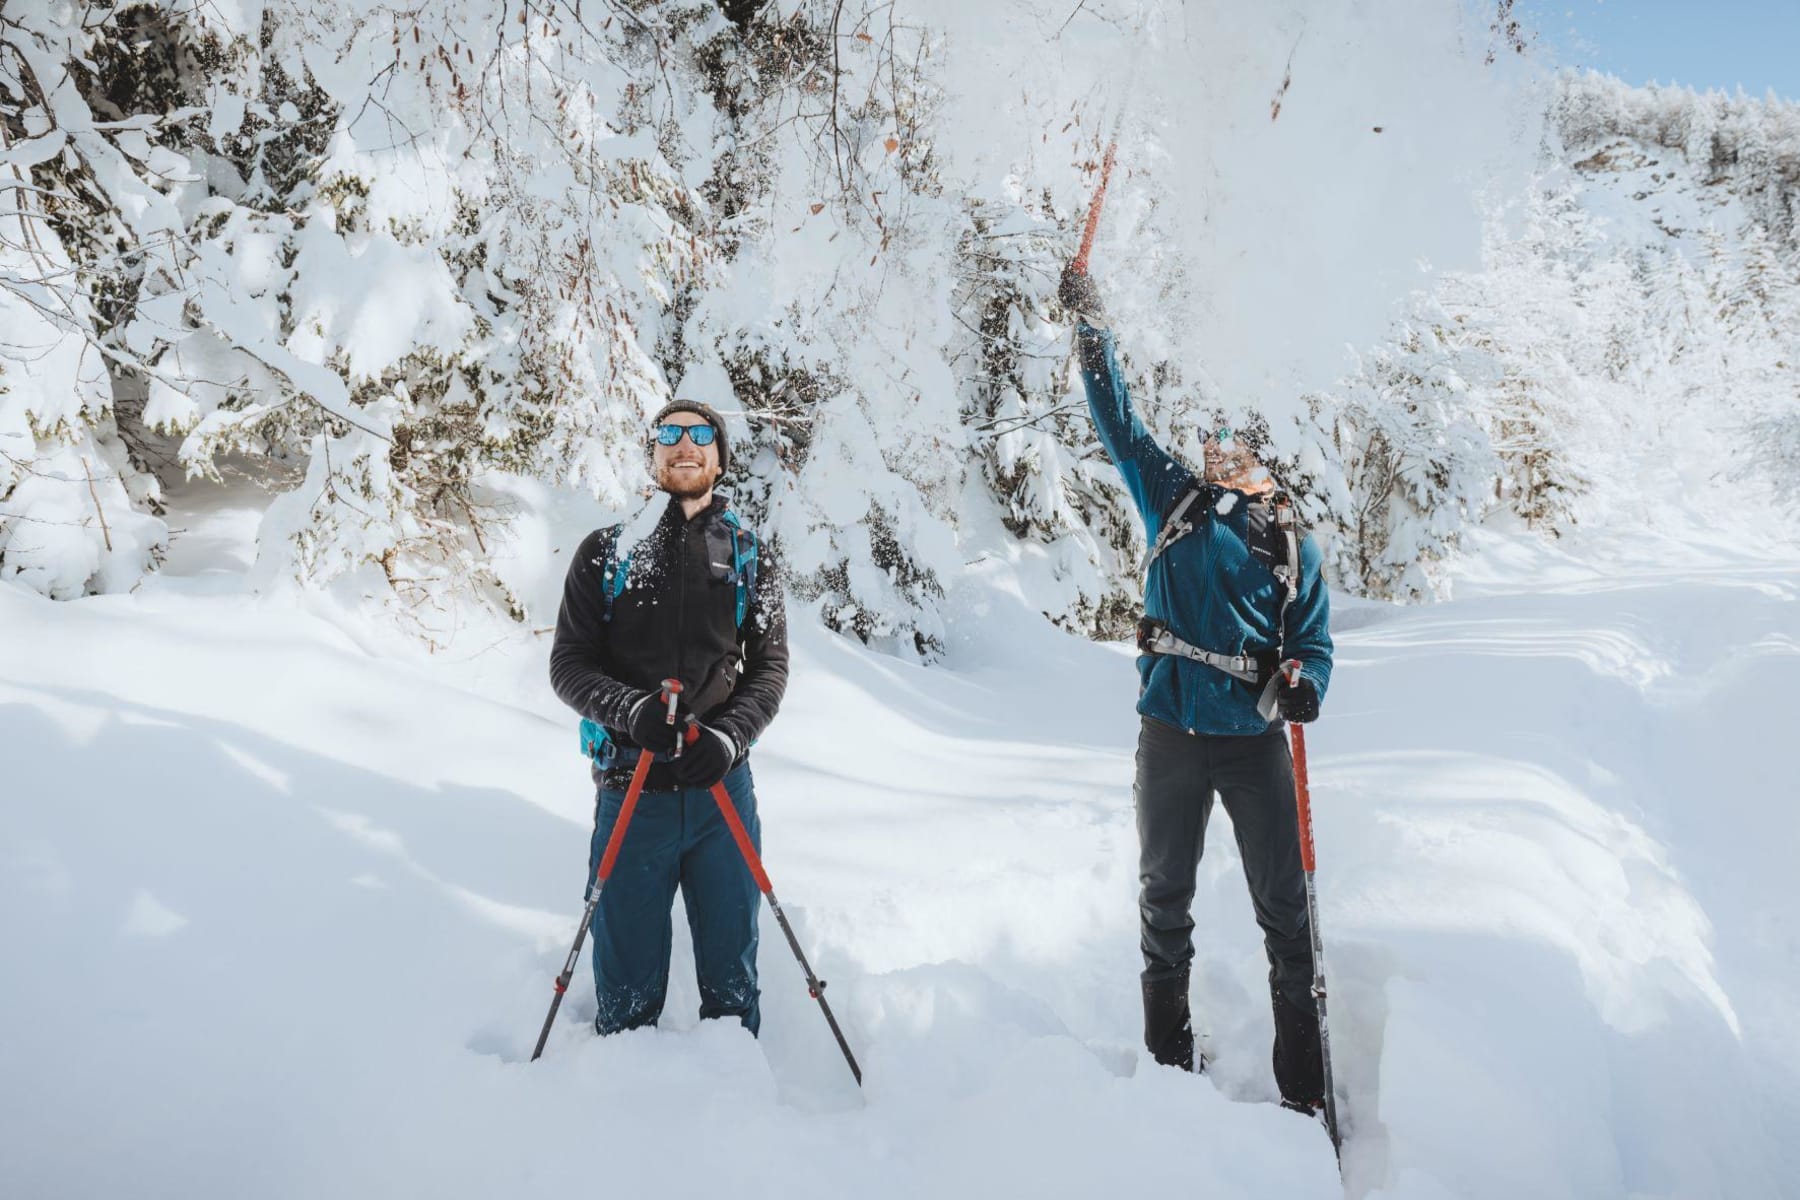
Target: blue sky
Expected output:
[1700,43]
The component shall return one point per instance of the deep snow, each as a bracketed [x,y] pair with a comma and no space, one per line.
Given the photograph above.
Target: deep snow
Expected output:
[281,900]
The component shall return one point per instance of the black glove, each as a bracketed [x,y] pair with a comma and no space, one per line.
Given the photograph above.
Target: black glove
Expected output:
[647,725]
[1297,702]
[1079,295]
[705,760]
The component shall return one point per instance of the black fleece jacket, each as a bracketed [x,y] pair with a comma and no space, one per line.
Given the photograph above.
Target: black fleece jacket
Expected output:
[676,618]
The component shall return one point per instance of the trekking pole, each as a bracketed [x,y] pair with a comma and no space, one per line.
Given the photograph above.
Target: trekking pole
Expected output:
[671,691]
[1080,261]
[815,987]
[1303,802]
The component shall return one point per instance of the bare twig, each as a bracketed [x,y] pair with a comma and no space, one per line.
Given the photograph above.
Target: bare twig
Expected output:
[1287,78]
[837,154]
[1030,421]
[1071,17]
[94,492]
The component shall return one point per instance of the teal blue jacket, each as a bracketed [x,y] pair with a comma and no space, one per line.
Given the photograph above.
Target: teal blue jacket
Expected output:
[1207,587]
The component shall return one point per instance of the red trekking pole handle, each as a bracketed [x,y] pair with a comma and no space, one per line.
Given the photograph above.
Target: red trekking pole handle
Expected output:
[1303,796]
[671,691]
[1093,218]
[1290,671]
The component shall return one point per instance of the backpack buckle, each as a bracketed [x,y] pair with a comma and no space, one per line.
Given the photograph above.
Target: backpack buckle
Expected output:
[1148,630]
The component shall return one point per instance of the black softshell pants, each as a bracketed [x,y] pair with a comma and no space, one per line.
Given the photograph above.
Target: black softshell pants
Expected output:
[1177,776]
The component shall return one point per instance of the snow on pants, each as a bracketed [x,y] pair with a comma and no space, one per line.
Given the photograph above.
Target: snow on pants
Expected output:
[1177,774]
[676,839]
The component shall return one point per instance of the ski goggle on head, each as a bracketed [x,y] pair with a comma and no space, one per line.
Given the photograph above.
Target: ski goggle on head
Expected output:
[701,435]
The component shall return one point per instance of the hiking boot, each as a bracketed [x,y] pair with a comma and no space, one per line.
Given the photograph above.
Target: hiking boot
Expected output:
[1298,1058]
[1168,1028]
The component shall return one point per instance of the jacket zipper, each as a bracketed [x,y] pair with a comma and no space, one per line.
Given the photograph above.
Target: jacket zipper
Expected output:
[1206,595]
[681,595]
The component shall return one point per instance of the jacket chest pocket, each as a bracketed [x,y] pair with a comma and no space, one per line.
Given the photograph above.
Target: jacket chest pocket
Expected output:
[1255,582]
[1244,588]
[720,600]
[640,605]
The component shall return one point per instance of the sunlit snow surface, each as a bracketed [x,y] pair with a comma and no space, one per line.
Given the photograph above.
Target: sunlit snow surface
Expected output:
[281,899]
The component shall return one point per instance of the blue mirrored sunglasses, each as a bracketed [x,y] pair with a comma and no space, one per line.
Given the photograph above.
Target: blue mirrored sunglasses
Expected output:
[700,435]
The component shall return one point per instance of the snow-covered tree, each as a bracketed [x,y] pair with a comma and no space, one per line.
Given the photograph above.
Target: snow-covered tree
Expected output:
[389,262]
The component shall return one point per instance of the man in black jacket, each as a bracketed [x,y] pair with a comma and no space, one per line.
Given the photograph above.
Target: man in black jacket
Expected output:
[661,597]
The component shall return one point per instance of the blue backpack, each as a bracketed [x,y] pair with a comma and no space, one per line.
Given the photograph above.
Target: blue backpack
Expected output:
[596,744]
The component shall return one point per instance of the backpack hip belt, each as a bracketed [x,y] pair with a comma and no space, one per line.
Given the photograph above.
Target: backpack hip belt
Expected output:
[1153,637]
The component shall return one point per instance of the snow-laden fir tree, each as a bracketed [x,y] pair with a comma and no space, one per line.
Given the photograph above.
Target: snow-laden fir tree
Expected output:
[391,262]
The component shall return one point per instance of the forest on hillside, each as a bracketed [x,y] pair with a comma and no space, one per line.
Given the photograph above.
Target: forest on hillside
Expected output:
[410,271]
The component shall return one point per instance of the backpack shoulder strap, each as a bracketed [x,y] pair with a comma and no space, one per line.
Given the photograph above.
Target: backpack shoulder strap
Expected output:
[1175,524]
[596,743]
[614,572]
[1274,541]
[1273,536]
[743,562]
[1287,571]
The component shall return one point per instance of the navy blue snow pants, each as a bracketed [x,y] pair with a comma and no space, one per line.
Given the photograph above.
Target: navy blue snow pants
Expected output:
[676,839]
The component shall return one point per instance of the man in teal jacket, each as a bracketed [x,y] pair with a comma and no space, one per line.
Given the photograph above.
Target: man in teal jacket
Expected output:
[1232,590]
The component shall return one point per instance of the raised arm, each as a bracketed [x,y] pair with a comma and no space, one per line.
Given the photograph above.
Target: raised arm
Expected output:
[1152,475]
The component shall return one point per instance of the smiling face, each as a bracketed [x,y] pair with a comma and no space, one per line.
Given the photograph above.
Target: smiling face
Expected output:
[684,470]
[1229,463]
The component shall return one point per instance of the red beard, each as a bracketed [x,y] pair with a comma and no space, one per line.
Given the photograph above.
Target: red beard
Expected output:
[684,486]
